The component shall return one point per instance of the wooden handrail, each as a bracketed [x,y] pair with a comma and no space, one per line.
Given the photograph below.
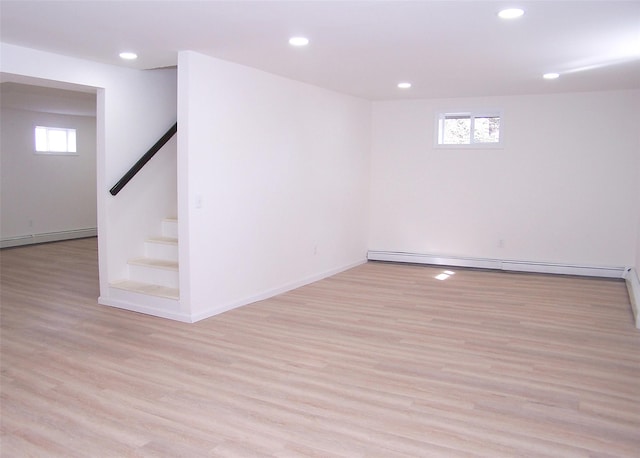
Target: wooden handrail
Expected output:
[143,160]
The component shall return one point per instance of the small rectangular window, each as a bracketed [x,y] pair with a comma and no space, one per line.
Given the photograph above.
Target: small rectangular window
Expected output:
[469,128]
[55,140]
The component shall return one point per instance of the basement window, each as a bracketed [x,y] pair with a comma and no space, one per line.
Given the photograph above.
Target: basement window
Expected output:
[470,128]
[55,140]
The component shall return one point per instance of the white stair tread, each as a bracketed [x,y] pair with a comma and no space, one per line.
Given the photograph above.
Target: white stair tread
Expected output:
[162,239]
[158,263]
[147,288]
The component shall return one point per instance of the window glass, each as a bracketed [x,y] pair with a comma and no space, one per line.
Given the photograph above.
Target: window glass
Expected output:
[456,130]
[55,140]
[469,129]
[486,129]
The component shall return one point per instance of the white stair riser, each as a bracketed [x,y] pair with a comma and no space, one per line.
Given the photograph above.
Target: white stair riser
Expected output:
[158,250]
[170,228]
[154,275]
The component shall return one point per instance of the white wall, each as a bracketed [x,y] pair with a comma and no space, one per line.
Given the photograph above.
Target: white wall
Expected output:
[134,109]
[273,183]
[637,263]
[564,189]
[42,194]
[633,279]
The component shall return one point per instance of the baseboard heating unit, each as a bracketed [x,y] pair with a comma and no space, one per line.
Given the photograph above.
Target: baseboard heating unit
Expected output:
[498,264]
[48,237]
[630,275]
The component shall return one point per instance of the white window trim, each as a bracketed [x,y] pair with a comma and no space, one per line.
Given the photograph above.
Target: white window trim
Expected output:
[56,153]
[476,113]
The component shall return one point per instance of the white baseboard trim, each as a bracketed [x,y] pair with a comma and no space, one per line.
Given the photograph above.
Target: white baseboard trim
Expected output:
[498,264]
[273,292]
[48,237]
[633,286]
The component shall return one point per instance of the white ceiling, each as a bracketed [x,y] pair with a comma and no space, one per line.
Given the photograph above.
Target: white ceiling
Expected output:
[364,48]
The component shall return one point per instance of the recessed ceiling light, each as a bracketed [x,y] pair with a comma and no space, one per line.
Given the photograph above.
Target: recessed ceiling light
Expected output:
[404,85]
[128,55]
[298,41]
[551,76]
[511,13]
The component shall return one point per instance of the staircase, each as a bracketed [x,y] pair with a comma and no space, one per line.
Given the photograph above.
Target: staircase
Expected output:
[155,274]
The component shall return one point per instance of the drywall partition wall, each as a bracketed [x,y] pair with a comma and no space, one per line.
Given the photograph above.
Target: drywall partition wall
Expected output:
[562,190]
[637,263]
[46,196]
[273,183]
[633,276]
[134,108]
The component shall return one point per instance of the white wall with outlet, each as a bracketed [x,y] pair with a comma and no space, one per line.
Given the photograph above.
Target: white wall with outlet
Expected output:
[273,179]
[563,189]
[43,193]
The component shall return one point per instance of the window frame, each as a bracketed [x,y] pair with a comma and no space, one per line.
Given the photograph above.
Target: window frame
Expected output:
[441,115]
[49,152]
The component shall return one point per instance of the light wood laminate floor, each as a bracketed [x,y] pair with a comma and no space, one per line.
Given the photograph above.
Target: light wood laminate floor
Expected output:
[380,361]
